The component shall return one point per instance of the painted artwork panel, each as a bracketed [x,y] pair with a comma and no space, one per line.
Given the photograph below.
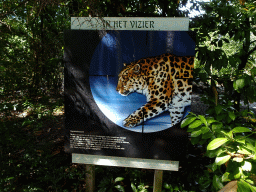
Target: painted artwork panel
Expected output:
[127,91]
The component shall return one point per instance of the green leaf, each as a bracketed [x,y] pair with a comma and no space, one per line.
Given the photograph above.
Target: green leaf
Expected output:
[241,130]
[240,140]
[195,124]
[251,147]
[218,109]
[243,186]
[205,129]
[225,177]
[120,188]
[190,130]
[207,135]
[119,179]
[243,150]
[237,174]
[196,133]
[187,121]
[217,182]
[133,187]
[212,167]
[210,120]
[238,159]
[195,140]
[232,115]
[228,135]
[238,84]
[214,153]
[216,143]
[203,120]
[222,160]
[217,126]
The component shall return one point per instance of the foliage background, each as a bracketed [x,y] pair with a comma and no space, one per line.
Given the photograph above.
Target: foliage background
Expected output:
[31,88]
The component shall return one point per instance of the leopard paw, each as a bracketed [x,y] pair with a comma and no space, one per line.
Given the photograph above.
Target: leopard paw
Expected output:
[131,122]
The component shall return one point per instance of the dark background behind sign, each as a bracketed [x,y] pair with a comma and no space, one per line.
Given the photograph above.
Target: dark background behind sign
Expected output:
[103,53]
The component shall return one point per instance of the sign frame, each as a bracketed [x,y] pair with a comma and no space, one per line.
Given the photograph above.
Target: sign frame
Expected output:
[128,23]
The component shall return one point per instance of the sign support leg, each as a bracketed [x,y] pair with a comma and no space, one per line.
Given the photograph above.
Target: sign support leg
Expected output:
[158,180]
[90,178]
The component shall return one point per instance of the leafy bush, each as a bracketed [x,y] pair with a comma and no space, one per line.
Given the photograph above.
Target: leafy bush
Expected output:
[233,147]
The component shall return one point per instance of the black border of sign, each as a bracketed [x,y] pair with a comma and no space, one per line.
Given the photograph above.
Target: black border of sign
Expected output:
[81,111]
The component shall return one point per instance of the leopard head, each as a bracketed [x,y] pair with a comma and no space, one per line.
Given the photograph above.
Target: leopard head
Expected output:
[130,79]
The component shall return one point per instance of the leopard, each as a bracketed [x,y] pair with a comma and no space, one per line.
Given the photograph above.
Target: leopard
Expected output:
[165,80]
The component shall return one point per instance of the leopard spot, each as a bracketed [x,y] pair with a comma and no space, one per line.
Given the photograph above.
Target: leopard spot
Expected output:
[171,59]
[176,65]
[172,71]
[162,63]
[168,77]
[167,68]
[184,59]
[162,105]
[186,74]
[180,83]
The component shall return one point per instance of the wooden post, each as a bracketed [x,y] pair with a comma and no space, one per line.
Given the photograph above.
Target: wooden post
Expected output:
[90,178]
[158,180]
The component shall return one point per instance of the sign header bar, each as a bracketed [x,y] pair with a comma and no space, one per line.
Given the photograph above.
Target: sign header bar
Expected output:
[131,23]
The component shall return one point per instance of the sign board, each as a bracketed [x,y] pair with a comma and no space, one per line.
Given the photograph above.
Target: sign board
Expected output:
[127,115]
[130,23]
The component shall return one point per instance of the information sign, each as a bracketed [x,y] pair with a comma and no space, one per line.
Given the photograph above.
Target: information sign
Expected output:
[127,89]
